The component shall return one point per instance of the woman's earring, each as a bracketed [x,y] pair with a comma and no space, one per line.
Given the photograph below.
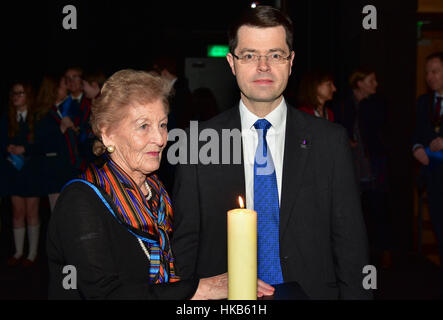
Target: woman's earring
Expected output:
[110,149]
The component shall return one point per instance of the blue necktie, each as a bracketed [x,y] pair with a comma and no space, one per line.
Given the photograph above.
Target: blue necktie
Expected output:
[266,203]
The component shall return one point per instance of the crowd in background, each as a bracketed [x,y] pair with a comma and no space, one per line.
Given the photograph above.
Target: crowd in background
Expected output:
[46,140]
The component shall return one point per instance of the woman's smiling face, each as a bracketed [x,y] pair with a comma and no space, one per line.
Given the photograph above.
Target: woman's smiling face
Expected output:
[139,138]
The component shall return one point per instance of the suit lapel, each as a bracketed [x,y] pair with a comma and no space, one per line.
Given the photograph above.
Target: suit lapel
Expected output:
[297,148]
[232,176]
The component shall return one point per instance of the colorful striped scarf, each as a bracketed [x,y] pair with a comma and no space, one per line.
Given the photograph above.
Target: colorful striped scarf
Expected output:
[150,221]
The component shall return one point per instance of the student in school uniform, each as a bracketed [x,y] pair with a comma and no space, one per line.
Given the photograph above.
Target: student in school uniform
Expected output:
[22,156]
[57,136]
[79,112]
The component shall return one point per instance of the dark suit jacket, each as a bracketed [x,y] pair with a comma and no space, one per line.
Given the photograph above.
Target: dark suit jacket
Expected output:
[424,131]
[323,244]
[424,134]
[371,118]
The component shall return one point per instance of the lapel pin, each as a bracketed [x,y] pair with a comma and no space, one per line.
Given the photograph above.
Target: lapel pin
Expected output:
[305,144]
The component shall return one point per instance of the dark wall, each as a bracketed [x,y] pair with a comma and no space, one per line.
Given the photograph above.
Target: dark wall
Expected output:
[329,35]
[111,35]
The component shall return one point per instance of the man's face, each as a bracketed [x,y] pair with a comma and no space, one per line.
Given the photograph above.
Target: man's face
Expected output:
[74,81]
[434,74]
[261,81]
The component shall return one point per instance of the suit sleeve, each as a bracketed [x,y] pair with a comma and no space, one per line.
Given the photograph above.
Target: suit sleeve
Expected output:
[420,136]
[185,240]
[349,240]
[84,238]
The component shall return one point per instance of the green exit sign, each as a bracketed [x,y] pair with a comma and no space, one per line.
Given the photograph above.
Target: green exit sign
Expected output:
[218,50]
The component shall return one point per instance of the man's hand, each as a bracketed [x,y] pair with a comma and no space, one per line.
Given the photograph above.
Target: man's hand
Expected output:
[421,156]
[217,288]
[436,144]
[264,289]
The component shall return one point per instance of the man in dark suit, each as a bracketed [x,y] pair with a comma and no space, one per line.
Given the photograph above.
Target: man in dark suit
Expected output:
[309,221]
[428,138]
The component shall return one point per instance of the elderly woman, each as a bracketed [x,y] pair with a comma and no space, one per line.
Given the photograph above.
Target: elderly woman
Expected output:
[109,235]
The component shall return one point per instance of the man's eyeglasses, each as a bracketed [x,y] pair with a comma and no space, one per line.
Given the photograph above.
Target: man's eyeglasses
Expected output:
[272,58]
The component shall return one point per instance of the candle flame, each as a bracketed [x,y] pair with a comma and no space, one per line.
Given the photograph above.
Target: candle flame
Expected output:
[241,202]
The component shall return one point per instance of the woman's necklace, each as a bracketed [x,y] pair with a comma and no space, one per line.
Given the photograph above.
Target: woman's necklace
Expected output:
[149,196]
[142,245]
[144,248]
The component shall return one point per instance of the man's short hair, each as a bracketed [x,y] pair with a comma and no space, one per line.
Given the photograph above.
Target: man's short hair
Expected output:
[95,76]
[435,55]
[75,68]
[261,17]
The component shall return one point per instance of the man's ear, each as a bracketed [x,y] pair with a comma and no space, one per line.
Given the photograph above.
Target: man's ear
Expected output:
[291,61]
[230,59]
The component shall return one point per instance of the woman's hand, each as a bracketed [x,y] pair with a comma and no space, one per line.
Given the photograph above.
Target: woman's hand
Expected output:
[65,124]
[19,150]
[212,288]
[436,144]
[421,156]
[217,288]
[264,289]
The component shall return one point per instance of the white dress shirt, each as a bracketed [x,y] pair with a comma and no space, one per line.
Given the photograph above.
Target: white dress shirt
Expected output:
[275,138]
[23,114]
[78,98]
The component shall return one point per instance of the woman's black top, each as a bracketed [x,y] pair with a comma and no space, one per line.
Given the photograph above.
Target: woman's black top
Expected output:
[108,260]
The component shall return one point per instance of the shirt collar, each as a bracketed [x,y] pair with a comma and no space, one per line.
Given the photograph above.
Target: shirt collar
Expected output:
[61,102]
[78,98]
[276,117]
[23,114]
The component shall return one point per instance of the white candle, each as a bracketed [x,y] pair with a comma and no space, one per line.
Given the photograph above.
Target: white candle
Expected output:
[242,253]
